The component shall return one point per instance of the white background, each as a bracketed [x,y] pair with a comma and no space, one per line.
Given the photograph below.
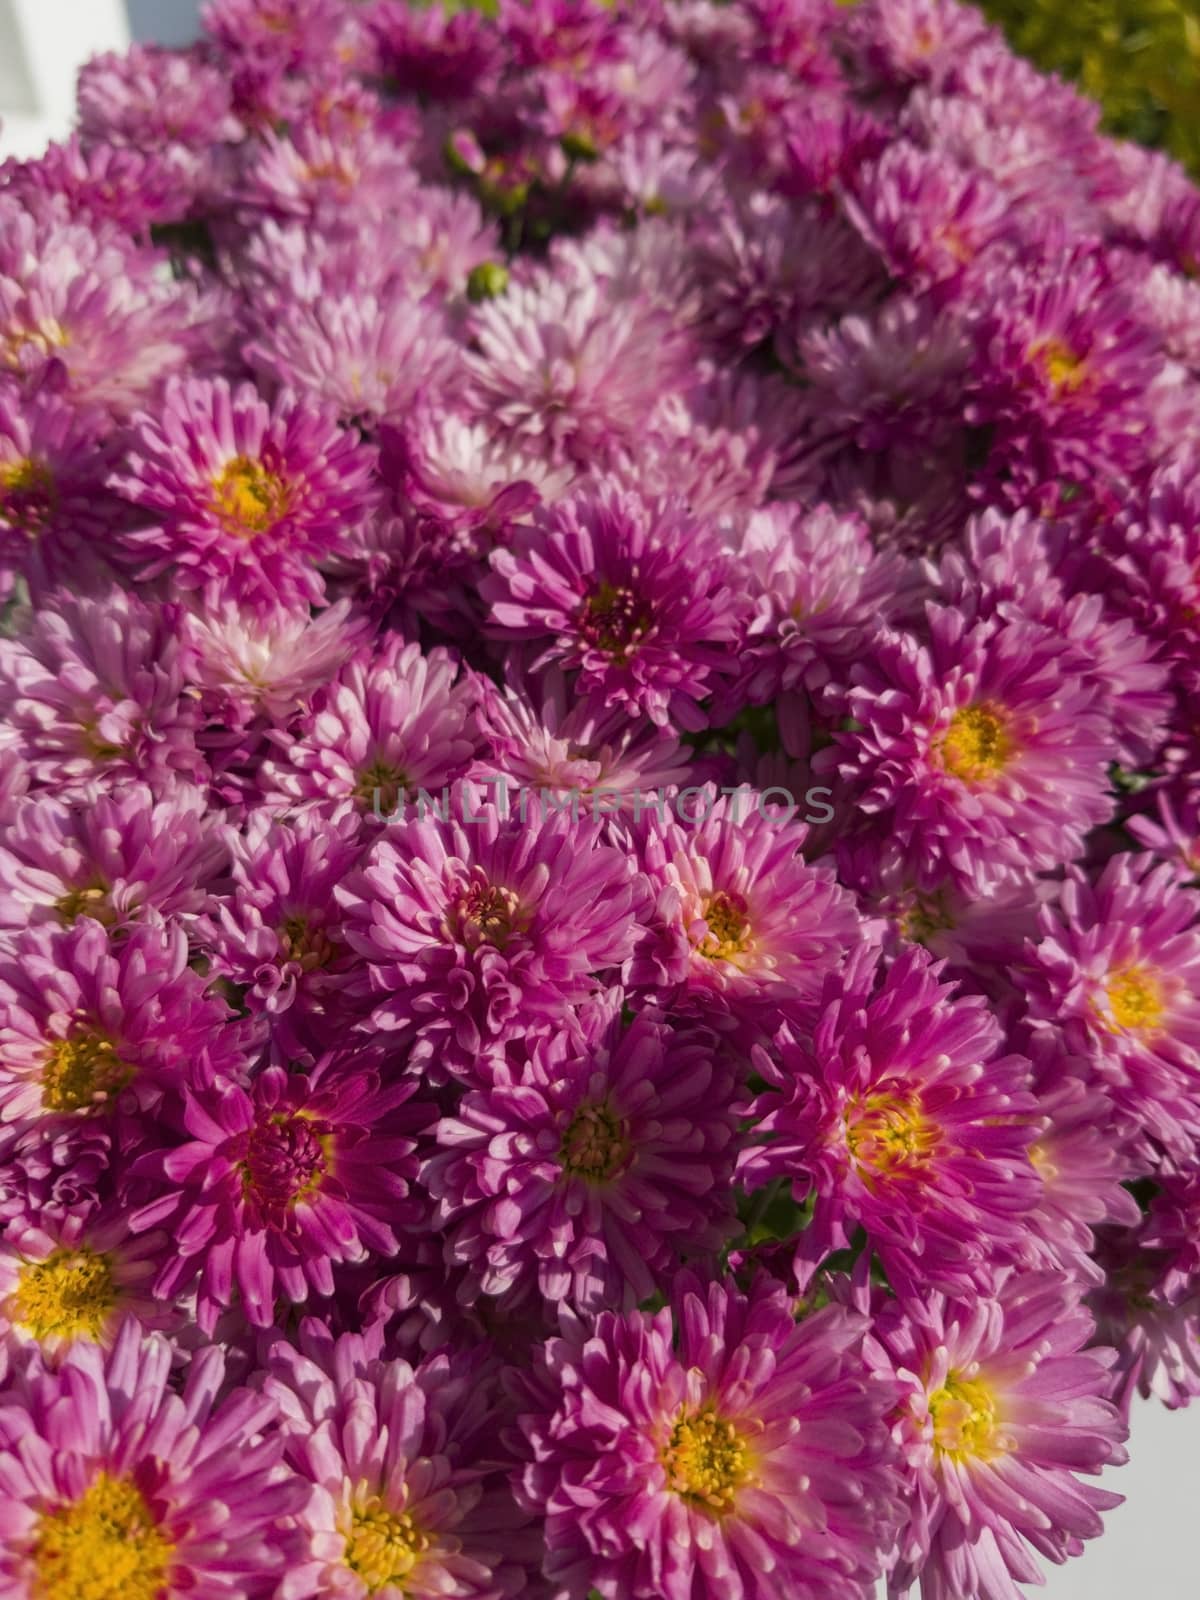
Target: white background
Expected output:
[1148,1551]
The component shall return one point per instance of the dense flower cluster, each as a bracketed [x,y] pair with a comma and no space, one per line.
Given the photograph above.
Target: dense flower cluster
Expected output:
[599,808]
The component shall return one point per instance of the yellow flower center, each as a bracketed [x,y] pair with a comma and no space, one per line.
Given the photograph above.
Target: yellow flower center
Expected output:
[613,620]
[887,1132]
[309,947]
[27,495]
[43,337]
[977,743]
[382,779]
[383,1547]
[489,914]
[248,497]
[1135,1000]
[1066,370]
[595,1145]
[706,1461]
[963,1412]
[925,916]
[104,1546]
[86,902]
[70,1295]
[82,1072]
[728,933]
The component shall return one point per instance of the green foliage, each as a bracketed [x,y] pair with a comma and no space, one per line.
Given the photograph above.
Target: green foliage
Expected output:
[1139,58]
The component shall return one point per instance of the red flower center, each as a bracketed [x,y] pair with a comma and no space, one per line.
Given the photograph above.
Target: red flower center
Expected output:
[614,621]
[285,1159]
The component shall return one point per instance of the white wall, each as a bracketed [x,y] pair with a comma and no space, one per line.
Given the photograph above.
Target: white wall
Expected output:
[43,43]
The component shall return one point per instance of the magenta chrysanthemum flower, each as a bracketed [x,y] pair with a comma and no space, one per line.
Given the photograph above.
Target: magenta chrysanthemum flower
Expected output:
[928,216]
[388,726]
[633,595]
[86,312]
[1063,371]
[367,361]
[103,855]
[281,1181]
[725,1450]
[480,927]
[739,922]
[1172,832]
[1006,564]
[56,516]
[56,1169]
[1083,1163]
[407,1489]
[1000,1408]
[90,1027]
[118,1481]
[589,1173]
[1117,971]
[152,98]
[245,499]
[906,1121]
[275,932]
[572,364]
[538,737]
[982,755]
[250,663]
[820,593]
[93,691]
[1152,1322]
[79,1279]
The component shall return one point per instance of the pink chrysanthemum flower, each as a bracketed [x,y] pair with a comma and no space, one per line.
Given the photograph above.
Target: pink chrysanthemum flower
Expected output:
[481,926]
[929,217]
[87,313]
[330,165]
[92,1028]
[102,855]
[250,663]
[1063,368]
[153,98]
[1083,1161]
[589,1174]
[906,1121]
[392,723]
[454,471]
[56,517]
[1017,564]
[634,595]
[116,1480]
[537,736]
[275,931]
[820,592]
[245,498]
[571,365]
[100,183]
[723,1450]
[982,755]
[56,1169]
[1172,831]
[999,1409]
[740,923]
[280,1182]
[93,692]
[1154,551]
[367,360]
[79,1280]
[1117,971]
[408,1495]
[1155,1333]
